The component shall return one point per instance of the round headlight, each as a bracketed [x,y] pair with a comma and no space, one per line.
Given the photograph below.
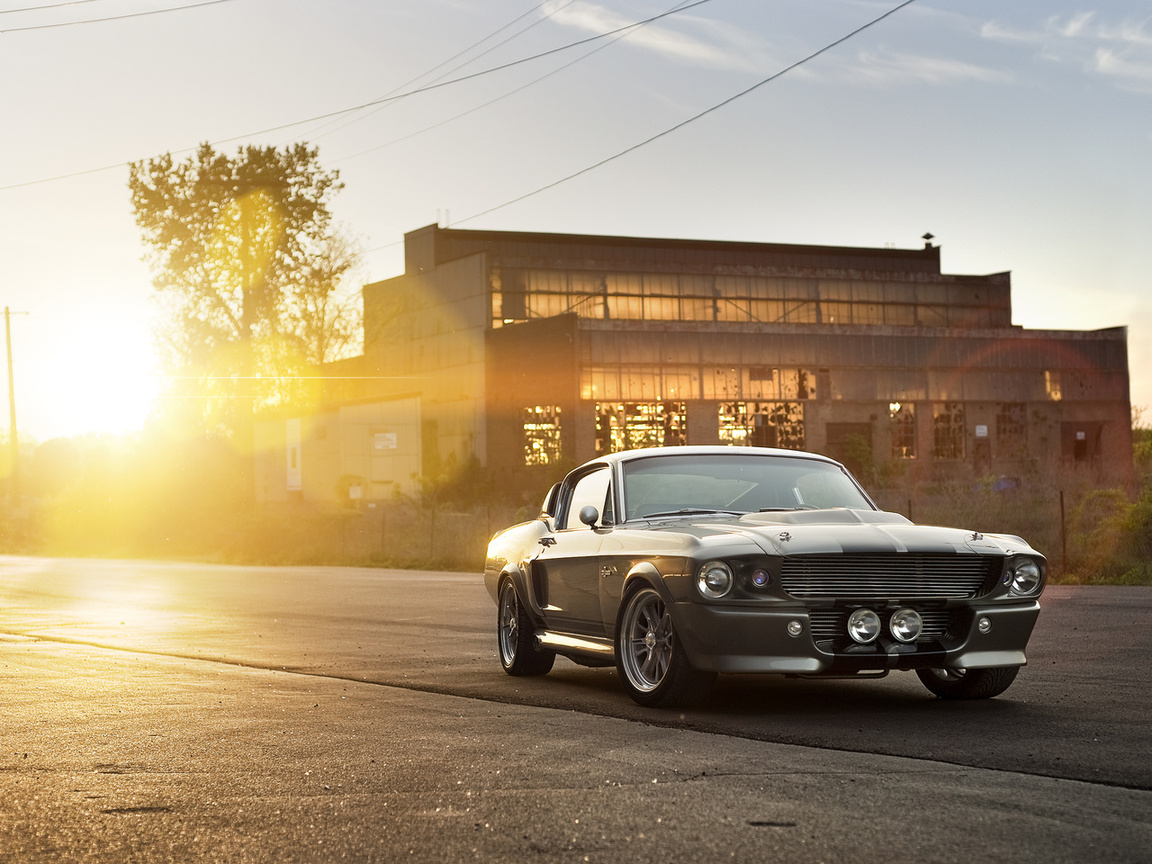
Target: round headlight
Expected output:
[864,626]
[1025,577]
[714,579]
[905,625]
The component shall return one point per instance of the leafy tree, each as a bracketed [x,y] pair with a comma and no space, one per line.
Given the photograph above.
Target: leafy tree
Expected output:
[248,267]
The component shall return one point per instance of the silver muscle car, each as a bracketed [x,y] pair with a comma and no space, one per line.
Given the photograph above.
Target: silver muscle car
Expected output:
[675,564]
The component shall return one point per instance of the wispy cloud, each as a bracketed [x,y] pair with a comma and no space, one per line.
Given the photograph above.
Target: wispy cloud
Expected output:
[888,68]
[1115,63]
[727,49]
[1054,27]
[1120,52]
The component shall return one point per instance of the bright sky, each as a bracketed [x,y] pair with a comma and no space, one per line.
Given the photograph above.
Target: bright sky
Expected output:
[1020,134]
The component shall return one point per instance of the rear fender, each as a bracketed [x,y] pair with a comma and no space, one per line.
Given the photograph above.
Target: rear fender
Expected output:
[522,583]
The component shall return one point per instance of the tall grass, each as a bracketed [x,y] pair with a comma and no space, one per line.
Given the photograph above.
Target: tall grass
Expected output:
[187,500]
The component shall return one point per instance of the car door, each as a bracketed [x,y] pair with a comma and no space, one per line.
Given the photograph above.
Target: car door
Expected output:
[570,564]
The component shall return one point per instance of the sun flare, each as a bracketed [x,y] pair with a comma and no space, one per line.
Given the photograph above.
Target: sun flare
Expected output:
[105,380]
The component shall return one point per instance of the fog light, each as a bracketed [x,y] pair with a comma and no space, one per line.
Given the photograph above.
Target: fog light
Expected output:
[984,625]
[795,628]
[760,578]
[864,626]
[714,579]
[906,625]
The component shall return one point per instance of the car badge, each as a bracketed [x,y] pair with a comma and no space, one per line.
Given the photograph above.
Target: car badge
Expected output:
[785,536]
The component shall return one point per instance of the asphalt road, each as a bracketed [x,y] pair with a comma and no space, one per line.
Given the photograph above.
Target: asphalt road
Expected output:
[181,712]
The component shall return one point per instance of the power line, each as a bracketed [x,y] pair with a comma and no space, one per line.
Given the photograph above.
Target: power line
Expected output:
[374,102]
[101,20]
[50,6]
[480,42]
[468,77]
[692,119]
[499,98]
[452,59]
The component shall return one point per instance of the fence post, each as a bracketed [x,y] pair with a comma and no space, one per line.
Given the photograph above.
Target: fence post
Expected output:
[1063,538]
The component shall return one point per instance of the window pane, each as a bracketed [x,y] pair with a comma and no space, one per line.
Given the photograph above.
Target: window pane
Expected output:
[762,424]
[902,416]
[541,435]
[948,428]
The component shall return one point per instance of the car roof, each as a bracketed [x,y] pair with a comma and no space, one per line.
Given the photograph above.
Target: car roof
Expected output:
[705,450]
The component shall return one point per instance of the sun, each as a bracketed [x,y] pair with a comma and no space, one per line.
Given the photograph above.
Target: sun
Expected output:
[84,374]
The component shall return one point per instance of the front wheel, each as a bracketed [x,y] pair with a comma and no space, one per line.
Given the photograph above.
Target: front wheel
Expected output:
[968,683]
[649,658]
[514,635]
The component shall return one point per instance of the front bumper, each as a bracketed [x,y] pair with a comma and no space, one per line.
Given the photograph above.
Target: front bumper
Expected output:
[746,638]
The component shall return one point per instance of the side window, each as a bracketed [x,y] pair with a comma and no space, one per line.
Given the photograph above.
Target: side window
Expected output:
[590,489]
[551,501]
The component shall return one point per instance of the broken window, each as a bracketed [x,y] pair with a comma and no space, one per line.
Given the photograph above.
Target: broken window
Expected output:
[762,424]
[521,293]
[1011,429]
[902,416]
[542,435]
[509,286]
[628,425]
[948,429]
[1080,441]
[760,383]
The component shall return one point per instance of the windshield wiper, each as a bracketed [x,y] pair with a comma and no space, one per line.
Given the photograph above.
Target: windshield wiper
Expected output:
[691,511]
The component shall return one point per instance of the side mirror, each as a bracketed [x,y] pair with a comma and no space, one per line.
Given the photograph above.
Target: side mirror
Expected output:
[589,515]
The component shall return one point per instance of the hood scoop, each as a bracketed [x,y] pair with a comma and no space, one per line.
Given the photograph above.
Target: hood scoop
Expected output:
[837,516]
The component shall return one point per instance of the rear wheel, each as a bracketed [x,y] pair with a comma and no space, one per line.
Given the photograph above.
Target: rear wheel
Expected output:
[514,636]
[649,657]
[968,683]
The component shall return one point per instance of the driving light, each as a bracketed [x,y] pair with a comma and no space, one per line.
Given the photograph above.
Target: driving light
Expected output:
[984,625]
[795,628]
[760,578]
[714,579]
[1025,577]
[905,625]
[864,626]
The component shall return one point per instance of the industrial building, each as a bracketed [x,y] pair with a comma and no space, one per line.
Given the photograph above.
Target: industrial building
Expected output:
[529,353]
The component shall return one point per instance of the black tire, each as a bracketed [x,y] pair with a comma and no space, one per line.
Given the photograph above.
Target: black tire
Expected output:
[649,657]
[968,683]
[514,637]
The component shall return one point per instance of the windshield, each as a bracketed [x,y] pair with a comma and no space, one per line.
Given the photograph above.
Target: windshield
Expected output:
[736,483]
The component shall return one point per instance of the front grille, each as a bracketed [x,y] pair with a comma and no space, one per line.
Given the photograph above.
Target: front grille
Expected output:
[886,576]
[833,624]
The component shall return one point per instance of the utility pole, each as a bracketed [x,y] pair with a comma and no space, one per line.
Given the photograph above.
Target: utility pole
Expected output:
[15,482]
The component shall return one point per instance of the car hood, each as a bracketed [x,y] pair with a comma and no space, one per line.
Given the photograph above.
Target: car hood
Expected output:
[841,531]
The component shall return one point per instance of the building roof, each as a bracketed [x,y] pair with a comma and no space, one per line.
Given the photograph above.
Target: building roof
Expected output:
[428,247]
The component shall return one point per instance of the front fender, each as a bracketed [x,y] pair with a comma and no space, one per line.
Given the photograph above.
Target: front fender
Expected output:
[643,572]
